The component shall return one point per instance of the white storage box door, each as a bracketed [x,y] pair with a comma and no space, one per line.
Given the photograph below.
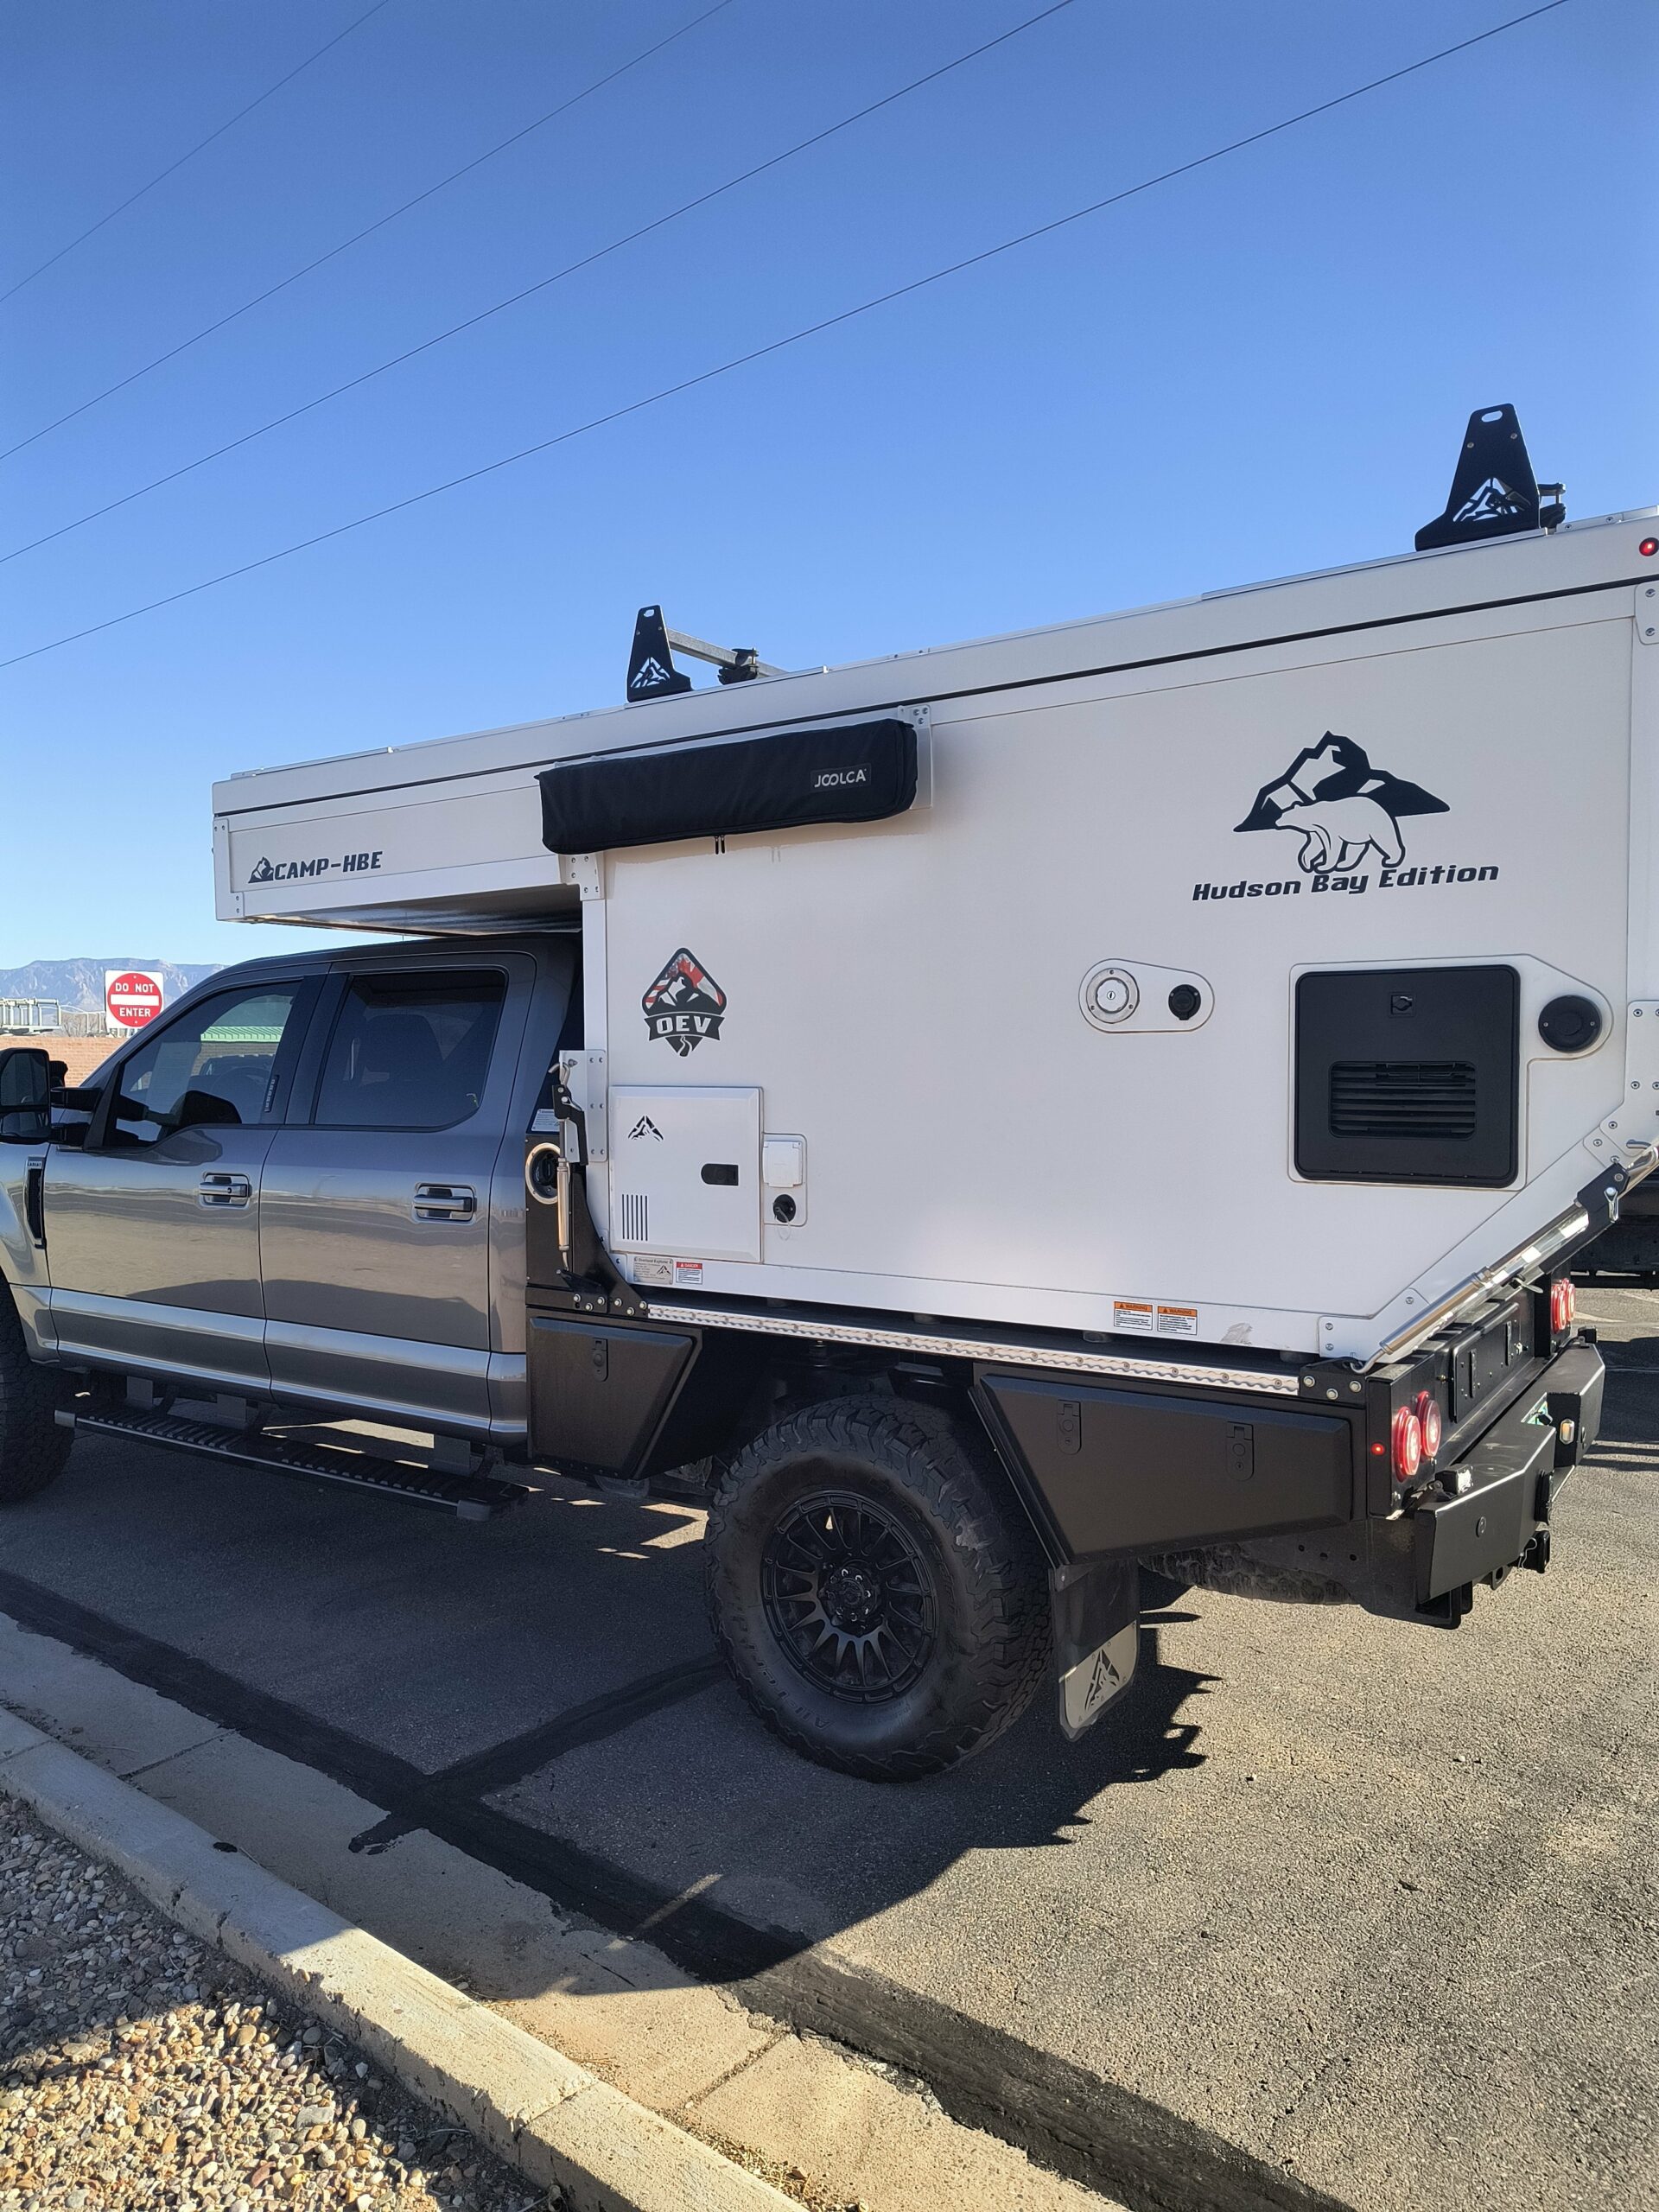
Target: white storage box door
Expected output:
[685,1171]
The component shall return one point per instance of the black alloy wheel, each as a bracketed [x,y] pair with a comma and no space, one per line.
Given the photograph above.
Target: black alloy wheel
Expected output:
[850,1596]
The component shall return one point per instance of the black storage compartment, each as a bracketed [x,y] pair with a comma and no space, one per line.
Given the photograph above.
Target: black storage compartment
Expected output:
[1408,1075]
[1135,1470]
[599,1391]
[852,771]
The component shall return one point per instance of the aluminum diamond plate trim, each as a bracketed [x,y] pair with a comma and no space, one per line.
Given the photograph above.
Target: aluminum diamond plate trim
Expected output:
[1121,1364]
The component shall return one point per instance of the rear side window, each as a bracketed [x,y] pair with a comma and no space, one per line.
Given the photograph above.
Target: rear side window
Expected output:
[410,1051]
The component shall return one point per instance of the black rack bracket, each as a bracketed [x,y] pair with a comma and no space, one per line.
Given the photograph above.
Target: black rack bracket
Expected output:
[652,672]
[1494,493]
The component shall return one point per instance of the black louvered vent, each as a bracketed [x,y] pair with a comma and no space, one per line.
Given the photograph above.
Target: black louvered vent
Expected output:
[634,1217]
[1402,1098]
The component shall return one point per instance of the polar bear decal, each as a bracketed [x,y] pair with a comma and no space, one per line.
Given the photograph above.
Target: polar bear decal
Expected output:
[1340,806]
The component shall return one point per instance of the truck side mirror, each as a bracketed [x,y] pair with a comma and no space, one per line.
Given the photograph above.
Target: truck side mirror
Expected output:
[25,1094]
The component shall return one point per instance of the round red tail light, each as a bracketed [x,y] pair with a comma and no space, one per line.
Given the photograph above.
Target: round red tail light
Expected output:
[1429,1422]
[1563,1306]
[1408,1440]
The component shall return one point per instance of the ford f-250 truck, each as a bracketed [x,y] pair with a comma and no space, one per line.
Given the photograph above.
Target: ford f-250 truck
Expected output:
[994,1119]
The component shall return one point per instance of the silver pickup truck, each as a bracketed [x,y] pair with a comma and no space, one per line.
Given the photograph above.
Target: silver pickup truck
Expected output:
[325,1216]
[998,1122]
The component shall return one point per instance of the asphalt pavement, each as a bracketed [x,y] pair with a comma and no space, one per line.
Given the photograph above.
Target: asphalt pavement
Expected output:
[1374,1903]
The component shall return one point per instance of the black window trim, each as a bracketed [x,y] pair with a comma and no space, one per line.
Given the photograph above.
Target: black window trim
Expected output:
[305,1093]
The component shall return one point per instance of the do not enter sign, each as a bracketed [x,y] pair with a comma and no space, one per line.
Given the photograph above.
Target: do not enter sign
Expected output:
[132,996]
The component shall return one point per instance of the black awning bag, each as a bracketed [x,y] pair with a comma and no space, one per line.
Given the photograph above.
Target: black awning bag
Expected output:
[857,772]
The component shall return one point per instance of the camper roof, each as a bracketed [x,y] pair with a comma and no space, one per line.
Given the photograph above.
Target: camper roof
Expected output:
[468,852]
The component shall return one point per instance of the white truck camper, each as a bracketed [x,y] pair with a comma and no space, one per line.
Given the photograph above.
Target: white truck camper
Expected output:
[1123,1096]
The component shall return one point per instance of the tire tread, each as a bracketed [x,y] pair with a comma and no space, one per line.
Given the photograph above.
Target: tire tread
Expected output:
[33,1448]
[1004,1621]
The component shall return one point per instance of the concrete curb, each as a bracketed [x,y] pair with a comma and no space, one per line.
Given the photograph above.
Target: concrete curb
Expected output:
[560,2125]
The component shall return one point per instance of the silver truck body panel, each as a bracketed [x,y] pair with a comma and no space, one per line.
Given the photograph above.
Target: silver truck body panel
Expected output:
[143,1270]
[370,1272]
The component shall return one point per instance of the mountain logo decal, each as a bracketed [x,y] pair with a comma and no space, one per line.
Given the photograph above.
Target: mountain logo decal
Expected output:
[1340,807]
[684,1004]
[1493,502]
[1104,1682]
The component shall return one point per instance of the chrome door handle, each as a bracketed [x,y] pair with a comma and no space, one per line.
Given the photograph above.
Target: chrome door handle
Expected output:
[444,1202]
[217,1190]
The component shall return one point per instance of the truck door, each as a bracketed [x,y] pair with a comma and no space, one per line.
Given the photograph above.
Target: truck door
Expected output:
[374,1230]
[152,1230]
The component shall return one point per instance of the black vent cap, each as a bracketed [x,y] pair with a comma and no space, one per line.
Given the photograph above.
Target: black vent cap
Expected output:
[1571,1024]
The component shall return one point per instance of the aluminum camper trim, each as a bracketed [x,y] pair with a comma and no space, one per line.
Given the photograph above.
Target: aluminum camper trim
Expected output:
[942,1344]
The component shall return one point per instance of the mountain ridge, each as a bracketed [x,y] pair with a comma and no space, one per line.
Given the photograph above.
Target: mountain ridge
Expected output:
[78,985]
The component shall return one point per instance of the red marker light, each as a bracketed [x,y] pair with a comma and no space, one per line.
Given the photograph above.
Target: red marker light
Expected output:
[1648,548]
[1429,1420]
[1408,1440]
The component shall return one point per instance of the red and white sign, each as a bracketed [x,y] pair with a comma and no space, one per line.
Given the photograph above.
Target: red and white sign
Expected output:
[132,996]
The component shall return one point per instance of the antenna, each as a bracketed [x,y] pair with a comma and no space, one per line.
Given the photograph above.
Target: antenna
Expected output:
[652,672]
[1494,493]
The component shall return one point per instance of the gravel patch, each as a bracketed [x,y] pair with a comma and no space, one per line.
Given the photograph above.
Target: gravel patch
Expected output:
[140,2068]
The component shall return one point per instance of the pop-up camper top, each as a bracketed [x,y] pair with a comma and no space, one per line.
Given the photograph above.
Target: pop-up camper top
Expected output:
[996,1121]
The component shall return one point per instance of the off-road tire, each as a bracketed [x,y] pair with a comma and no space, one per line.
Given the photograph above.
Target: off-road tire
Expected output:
[934,1480]
[33,1448]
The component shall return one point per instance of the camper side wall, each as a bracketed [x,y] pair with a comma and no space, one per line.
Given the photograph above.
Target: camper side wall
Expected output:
[1197,1002]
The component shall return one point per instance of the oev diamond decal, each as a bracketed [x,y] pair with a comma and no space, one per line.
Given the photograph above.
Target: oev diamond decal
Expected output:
[685,1004]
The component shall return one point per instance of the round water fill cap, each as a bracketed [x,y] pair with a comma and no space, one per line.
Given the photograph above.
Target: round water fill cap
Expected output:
[1185,1001]
[1571,1024]
[1115,994]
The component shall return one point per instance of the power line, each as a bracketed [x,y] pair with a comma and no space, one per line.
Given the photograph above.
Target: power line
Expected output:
[368,230]
[796,337]
[162,175]
[484,315]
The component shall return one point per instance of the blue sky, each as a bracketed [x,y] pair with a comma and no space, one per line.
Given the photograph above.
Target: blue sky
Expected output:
[1259,368]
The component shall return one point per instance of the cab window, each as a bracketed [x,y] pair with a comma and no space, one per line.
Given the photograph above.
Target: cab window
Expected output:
[214,1065]
[410,1051]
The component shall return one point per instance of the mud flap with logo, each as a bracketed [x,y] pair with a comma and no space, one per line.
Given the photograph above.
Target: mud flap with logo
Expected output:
[1096,1633]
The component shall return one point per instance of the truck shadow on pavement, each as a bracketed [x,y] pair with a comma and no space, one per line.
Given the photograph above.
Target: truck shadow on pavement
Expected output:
[546,1684]
[540,1694]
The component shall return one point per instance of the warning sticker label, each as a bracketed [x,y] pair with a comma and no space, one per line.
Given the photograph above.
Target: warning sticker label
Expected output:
[1178,1321]
[1130,1313]
[688,1275]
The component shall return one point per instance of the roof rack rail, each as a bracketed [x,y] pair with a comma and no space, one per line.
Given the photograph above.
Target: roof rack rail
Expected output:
[652,672]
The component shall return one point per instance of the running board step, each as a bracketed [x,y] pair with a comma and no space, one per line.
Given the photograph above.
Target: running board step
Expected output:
[470,1497]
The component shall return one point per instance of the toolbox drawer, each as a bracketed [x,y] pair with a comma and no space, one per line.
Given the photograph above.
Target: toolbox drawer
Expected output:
[1137,1471]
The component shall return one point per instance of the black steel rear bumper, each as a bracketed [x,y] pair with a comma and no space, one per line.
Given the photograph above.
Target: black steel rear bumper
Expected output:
[1500,1520]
